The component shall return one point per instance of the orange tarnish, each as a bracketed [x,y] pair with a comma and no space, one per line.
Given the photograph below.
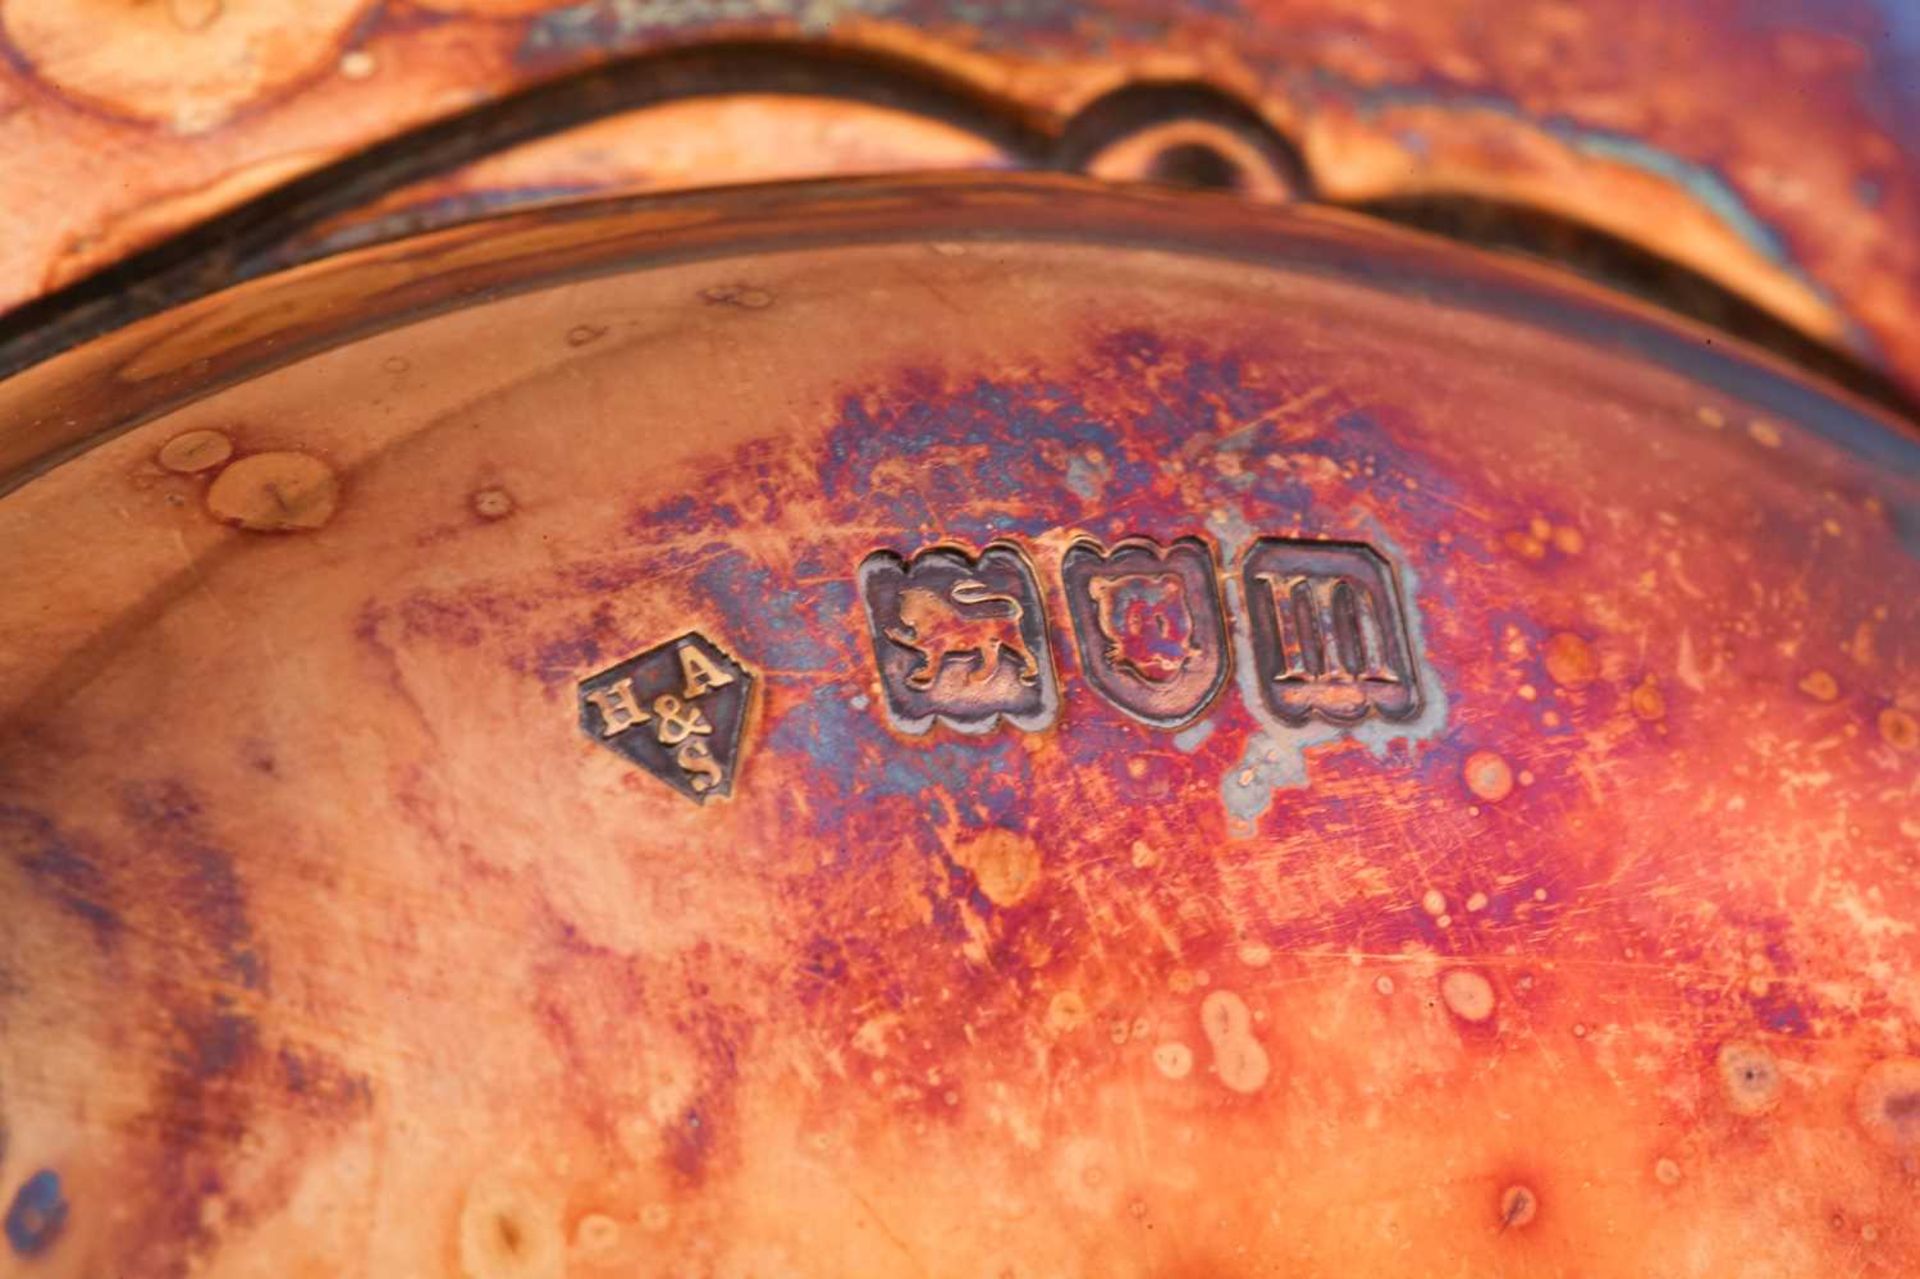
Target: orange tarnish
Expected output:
[457,816]
[1488,776]
[1570,663]
[1518,1206]
[195,451]
[275,492]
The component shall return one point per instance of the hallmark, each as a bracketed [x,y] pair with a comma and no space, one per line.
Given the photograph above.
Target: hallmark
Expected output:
[960,639]
[676,710]
[1149,625]
[1327,632]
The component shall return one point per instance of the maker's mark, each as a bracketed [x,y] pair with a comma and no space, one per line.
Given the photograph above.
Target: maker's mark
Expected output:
[677,710]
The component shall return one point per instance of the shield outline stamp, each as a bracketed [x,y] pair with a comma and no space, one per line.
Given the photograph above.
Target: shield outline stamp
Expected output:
[1188,560]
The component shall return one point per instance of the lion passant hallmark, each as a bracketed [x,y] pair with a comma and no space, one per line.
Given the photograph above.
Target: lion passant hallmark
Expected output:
[961,639]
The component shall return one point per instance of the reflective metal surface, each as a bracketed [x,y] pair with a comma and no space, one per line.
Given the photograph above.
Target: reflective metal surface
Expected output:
[994,727]
[1768,145]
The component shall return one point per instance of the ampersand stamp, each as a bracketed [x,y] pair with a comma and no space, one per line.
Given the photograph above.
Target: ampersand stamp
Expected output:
[677,710]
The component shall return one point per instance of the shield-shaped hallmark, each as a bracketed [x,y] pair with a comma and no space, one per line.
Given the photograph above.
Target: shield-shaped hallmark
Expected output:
[1150,626]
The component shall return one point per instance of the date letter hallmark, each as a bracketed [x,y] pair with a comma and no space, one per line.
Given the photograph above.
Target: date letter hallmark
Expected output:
[1327,631]
[1150,628]
[676,710]
[960,639]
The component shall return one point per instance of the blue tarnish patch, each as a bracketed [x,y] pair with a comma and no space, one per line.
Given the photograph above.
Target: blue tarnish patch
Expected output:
[37,1215]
